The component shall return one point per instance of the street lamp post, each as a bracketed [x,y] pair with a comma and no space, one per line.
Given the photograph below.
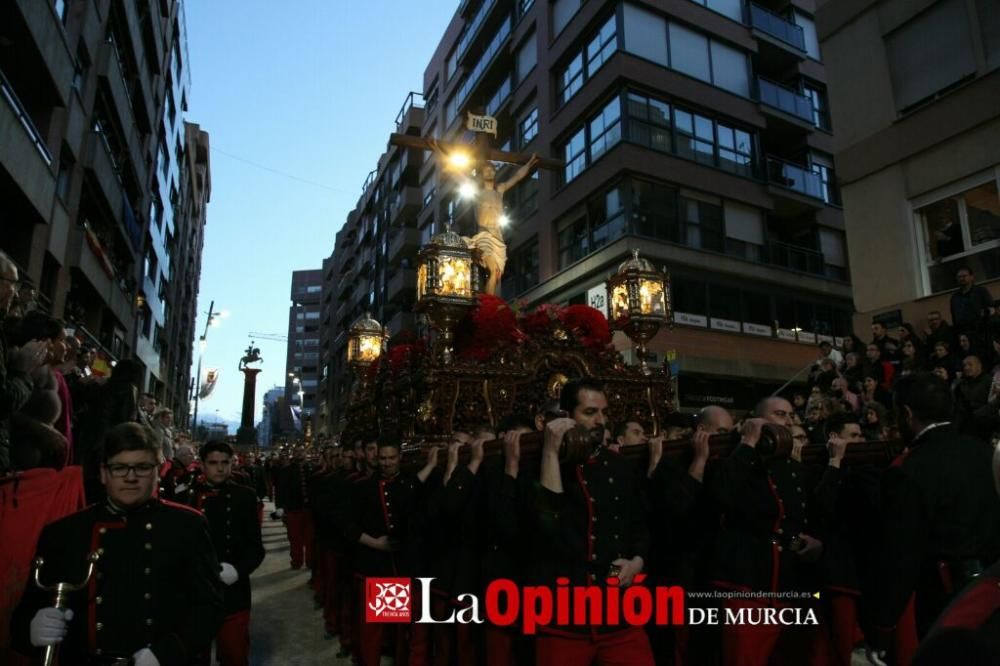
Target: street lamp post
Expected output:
[201,352]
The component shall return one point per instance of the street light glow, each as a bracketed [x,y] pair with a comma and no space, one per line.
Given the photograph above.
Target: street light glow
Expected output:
[459,160]
[504,220]
[467,190]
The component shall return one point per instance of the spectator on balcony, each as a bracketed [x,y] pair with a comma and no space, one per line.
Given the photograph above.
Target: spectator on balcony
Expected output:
[912,359]
[841,391]
[853,371]
[16,365]
[970,306]
[46,402]
[942,357]
[823,374]
[880,336]
[826,350]
[907,333]
[879,367]
[163,431]
[972,393]
[872,391]
[852,344]
[938,330]
[874,422]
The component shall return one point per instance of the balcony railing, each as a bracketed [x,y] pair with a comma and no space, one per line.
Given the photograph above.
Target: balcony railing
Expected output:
[499,97]
[777,26]
[794,177]
[414,100]
[784,99]
[472,28]
[489,54]
[25,119]
[795,258]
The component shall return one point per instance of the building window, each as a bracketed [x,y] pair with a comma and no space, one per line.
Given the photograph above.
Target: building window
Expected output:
[654,211]
[820,106]
[527,57]
[598,51]
[962,230]
[823,167]
[689,52]
[735,150]
[528,128]
[930,53]
[60,7]
[522,270]
[689,296]
[703,225]
[575,155]
[64,179]
[574,242]
[649,122]
[524,198]
[731,8]
[607,217]
[695,137]
[601,47]
[571,79]
[605,129]
[562,12]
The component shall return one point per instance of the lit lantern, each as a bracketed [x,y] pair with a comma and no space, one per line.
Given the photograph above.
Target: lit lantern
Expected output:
[639,299]
[447,284]
[365,343]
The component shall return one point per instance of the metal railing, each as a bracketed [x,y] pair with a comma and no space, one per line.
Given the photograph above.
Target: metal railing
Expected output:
[29,126]
[489,54]
[472,28]
[794,177]
[784,99]
[777,26]
[414,100]
[794,257]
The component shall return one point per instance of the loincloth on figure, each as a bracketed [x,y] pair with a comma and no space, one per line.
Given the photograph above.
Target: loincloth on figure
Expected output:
[493,249]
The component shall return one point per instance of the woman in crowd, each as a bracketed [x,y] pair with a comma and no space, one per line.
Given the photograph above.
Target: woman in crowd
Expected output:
[853,371]
[912,358]
[874,421]
[871,392]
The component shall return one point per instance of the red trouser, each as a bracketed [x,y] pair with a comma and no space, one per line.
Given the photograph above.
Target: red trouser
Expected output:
[845,632]
[499,646]
[233,640]
[319,566]
[451,638]
[411,639]
[754,644]
[628,647]
[300,536]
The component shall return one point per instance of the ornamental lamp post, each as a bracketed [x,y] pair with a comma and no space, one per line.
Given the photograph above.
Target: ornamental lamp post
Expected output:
[639,302]
[448,282]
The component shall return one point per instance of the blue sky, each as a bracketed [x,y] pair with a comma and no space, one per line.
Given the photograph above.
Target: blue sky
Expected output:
[309,89]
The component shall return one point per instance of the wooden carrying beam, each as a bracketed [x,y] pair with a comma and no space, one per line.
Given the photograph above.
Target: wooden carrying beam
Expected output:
[880,454]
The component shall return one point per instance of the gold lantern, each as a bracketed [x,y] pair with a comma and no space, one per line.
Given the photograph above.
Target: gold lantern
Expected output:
[639,302]
[365,343]
[448,282]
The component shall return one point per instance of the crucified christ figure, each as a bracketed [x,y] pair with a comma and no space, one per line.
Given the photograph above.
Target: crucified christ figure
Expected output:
[489,209]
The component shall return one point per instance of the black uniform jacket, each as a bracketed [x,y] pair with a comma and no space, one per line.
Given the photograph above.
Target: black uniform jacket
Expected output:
[939,505]
[231,510]
[156,584]
[293,486]
[384,508]
[764,504]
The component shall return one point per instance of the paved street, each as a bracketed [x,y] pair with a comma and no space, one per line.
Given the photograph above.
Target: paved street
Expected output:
[285,629]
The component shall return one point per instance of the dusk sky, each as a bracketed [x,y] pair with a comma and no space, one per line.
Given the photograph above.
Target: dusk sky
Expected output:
[299,99]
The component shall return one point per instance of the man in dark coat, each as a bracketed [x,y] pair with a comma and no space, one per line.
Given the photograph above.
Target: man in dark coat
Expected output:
[591,526]
[155,596]
[16,365]
[293,498]
[231,510]
[940,511]
[970,306]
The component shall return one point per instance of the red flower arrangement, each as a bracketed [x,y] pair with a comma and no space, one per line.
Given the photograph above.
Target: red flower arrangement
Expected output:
[587,324]
[491,324]
[397,354]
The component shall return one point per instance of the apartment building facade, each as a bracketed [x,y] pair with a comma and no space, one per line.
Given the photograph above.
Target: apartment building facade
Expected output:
[696,131]
[302,361]
[915,88]
[92,170]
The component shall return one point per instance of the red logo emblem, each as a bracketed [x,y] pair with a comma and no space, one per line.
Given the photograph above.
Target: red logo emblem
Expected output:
[387,600]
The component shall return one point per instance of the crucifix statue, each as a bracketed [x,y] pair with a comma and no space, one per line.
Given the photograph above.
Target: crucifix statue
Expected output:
[480,158]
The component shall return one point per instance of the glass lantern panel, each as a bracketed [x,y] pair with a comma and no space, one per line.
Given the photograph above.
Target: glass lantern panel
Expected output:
[651,297]
[455,276]
[421,281]
[619,302]
[369,347]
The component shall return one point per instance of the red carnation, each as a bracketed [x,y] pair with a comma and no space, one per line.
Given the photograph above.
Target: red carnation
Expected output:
[588,324]
[491,324]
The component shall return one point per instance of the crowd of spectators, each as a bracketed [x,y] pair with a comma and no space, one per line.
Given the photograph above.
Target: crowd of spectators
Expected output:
[859,378]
